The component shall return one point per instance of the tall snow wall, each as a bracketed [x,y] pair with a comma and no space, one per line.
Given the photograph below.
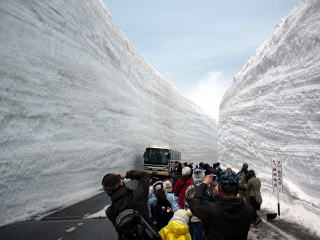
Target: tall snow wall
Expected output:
[272,112]
[78,101]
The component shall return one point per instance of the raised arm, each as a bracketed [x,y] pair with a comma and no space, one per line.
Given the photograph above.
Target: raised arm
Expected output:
[142,190]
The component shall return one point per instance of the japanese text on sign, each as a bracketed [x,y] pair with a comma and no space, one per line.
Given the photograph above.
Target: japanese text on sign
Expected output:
[277,176]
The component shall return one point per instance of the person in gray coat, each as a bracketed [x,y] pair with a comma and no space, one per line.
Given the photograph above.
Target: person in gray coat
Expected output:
[254,195]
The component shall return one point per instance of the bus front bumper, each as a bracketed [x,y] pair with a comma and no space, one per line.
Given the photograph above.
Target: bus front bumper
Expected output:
[160,173]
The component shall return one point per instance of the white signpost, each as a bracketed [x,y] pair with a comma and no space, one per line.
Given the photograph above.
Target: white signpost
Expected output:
[277,179]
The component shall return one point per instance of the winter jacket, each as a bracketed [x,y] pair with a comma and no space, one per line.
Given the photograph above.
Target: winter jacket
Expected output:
[173,200]
[224,219]
[253,186]
[140,197]
[253,190]
[243,185]
[243,182]
[188,196]
[161,213]
[175,231]
[180,189]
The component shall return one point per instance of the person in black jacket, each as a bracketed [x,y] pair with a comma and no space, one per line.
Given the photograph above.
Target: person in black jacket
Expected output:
[227,218]
[119,193]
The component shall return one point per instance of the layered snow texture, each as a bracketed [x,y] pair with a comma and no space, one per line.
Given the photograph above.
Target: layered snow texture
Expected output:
[272,112]
[78,101]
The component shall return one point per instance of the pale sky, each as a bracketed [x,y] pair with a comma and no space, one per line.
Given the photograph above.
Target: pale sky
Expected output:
[198,46]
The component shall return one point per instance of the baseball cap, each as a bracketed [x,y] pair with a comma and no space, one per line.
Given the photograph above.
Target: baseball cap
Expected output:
[228,178]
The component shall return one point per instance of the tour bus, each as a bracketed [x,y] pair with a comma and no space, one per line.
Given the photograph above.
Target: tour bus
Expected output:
[160,160]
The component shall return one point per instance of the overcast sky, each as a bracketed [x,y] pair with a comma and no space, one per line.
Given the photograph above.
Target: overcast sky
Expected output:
[198,45]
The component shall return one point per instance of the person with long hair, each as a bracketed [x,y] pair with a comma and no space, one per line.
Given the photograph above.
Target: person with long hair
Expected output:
[161,206]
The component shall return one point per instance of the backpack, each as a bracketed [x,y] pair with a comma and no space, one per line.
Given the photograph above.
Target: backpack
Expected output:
[242,182]
[130,225]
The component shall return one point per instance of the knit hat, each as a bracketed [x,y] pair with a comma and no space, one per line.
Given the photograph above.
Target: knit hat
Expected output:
[167,185]
[110,182]
[186,171]
[182,216]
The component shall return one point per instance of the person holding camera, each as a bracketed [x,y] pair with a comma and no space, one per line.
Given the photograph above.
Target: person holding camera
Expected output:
[228,217]
[123,197]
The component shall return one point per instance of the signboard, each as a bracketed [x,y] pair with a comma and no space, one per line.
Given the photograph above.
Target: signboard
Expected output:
[277,176]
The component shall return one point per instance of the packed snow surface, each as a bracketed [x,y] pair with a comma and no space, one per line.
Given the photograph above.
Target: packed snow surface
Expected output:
[272,112]
[78,101]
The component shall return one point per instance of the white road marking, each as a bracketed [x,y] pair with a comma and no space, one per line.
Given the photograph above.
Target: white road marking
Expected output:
[287,236]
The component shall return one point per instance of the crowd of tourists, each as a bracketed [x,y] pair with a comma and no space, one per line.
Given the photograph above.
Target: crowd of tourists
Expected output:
[196,202]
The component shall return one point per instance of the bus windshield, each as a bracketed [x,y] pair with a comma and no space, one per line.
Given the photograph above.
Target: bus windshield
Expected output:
[156,156]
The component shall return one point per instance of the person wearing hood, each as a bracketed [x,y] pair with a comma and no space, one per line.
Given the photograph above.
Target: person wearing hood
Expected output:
[177,228]
[119,193]
[227,218]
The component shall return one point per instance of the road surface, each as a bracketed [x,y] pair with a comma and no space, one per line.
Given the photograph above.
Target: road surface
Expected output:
[70,224]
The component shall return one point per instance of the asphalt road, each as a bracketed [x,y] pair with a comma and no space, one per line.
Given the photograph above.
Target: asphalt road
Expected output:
[67,224]
[94,229]
[70,224]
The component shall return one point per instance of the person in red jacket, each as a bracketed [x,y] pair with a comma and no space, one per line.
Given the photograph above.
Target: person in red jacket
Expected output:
[182,184]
